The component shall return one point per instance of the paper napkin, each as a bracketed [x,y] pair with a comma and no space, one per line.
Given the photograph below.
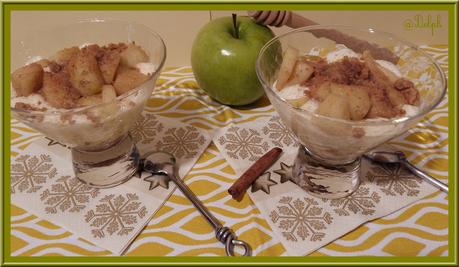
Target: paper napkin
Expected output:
[43,182]
[302,222]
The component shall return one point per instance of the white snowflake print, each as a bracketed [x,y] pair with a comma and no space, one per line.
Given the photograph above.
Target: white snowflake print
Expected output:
[243,143]
[362,200]
[146,128]
[115,215]
[278,133]
[394,179]
[183,142]
[30,171]
[68,194]
[300,219]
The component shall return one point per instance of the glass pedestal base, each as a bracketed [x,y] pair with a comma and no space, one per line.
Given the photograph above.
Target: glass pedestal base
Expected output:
[323,180]
[109,167]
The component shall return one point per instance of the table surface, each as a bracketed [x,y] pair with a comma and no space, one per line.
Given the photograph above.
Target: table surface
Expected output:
[178,229]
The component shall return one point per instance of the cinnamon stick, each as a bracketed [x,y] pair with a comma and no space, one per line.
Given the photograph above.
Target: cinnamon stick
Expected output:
[250,175]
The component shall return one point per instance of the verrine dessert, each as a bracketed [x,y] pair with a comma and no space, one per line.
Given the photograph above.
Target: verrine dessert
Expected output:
[340,103]
[346,85]
[76,78]
[88,93]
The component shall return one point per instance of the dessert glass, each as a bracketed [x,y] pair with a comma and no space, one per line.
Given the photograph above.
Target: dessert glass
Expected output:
[103,153]
[329,157]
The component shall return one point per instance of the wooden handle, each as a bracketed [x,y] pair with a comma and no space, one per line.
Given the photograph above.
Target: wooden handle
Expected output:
[297,21]
[293,20]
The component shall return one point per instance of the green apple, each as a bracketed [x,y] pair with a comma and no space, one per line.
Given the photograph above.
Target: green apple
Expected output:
[223,60]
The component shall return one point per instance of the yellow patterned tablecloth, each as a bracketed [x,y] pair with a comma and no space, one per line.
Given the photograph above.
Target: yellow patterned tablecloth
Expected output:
[178,229]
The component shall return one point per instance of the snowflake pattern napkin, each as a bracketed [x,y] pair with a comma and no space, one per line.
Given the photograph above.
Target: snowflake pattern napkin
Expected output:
[304,223]
[43,182]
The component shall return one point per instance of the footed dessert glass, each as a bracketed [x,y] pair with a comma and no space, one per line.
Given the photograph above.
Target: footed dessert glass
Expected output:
[328,160]
[103,153]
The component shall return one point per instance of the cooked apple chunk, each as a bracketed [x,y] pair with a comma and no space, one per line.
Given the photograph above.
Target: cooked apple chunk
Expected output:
[85,74]
[298,102]
[132,55]
[109,97]
[28,79]
[335,106]
[301,72]
[359,102]
[339,89]
[286,68]
[380,106]
[378,75]
[128,79]
[58,91]
[108,65]
[108,93]
[64,55]
[89,100]
[93,49]
[49,65]
[320,91]
[357,97]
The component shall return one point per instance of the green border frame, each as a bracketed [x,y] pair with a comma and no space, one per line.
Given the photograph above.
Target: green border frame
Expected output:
[451,259]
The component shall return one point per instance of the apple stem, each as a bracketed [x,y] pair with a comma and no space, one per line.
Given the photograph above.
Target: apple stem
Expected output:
[236,32]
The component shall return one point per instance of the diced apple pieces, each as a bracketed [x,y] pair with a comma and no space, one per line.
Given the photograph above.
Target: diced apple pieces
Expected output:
[49,65]
[357,97]
[128,79]
[118,47]
[58,91]
[64,55]
[378,74]
[288,63]
[108,98]
[108,65]
[132,55]
[90,100]
[340,89]
[380,106]
[298,102]
[321,91]
[359,103]
[105,104]
[28,79]
[301,72]
[85,74]
[310,58]
[93,49]
[335,106]
[108,93]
